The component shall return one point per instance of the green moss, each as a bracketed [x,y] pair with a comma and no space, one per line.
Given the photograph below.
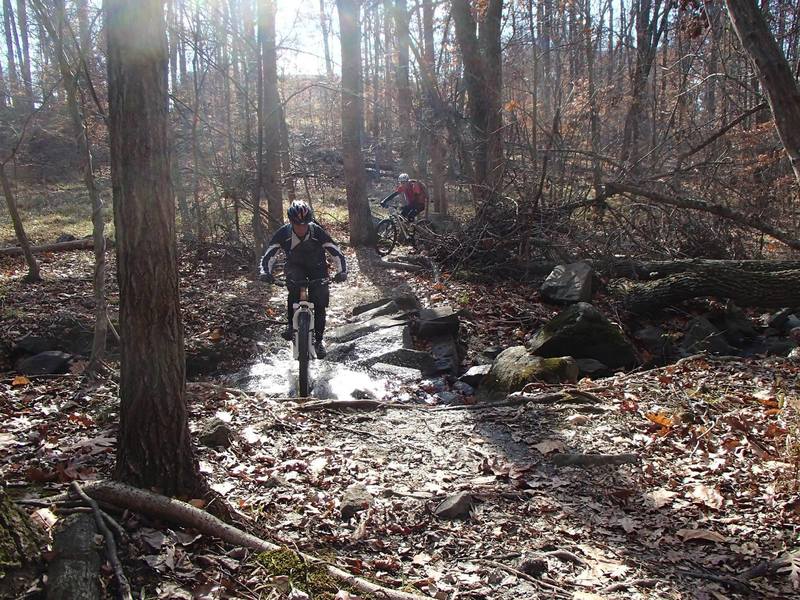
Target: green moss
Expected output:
[310,577]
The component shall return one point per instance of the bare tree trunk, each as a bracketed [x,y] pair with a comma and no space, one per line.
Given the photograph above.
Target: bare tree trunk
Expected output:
[271,183]
[435,110]
[774,74]
[323,23]
[362,230]
[259,232]
[401,19]
[11,202]
[84,150]
[22,18]
[154,447]
[286,158]
[13,80]
[480,50]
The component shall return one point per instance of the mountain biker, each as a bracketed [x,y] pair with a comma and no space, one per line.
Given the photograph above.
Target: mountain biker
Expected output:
[415,194]
[304,242]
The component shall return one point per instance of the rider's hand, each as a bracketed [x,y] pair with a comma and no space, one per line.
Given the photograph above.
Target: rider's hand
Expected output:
[266,278]
[340,277]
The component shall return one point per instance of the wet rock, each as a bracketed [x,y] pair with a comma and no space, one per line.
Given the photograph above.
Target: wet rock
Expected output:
[437,384]
[405,357]
[216,433]
[204,359]
[655,341]
[702,336]
[355,499]
[778,346]
[362,308]
[475,375]
[735,326]
[390,309]
[780,320]
[35,344]
[581,331]
[463,388]
[589,367]
[51,362]
[437,322]
[405,297]
[360,394]
[568,283]
[517,366]
[352,331]
[400,374]
[340,352]
[456,506]
[448,398]
[794,354]
[446,357]
[392,346]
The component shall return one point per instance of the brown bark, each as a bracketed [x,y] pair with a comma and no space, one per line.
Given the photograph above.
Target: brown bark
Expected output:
[153,444]
[20,542]
[401,19]
[435,111]
[479,42]
[270,177]
[362,230]
[745,288]
[8,15]
[85,244]
[19,229]
[25,67]
[774,74]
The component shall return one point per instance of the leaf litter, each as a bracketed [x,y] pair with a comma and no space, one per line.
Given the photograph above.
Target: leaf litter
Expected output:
[715,492]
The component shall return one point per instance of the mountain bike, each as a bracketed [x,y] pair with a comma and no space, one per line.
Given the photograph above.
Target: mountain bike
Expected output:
[303,330]
[396,228]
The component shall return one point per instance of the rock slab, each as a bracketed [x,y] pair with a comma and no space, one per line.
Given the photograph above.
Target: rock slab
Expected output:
[567,284]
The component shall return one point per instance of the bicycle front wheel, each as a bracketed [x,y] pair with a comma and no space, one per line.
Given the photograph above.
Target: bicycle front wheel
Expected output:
[386,232]
[303,353]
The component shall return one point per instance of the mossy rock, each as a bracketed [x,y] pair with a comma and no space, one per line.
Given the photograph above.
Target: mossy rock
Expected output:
[20,540]
[581,331]
[516,367]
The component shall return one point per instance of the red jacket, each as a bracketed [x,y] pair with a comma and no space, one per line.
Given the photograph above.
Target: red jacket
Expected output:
[415,193]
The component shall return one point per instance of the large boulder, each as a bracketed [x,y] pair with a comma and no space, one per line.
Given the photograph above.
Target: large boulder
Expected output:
[568,283]
[352,331]
[581,331]
[702,336]
[517,366]
[45,363]
[436,322]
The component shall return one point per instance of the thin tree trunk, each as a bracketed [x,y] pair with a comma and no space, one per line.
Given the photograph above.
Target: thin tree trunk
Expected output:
[401,19]
[774,74]
[13,81]
[271,182]
[323,23]
[22,18]
[154,447]
[362,230]
[435,110]
[11,202]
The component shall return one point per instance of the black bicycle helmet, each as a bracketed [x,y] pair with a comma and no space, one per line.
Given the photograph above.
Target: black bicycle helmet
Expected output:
[300,212]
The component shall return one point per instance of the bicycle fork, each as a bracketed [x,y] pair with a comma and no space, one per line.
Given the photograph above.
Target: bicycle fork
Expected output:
[303,307]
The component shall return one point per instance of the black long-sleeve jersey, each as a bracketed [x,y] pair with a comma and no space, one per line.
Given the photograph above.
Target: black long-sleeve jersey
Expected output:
[307,253]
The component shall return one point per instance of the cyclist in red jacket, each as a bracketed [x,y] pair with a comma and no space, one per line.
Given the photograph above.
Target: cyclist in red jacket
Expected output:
[415,194]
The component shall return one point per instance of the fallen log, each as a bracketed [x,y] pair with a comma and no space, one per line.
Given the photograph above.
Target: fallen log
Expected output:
[745,288]
[86,244]
[175,511]
[74,571]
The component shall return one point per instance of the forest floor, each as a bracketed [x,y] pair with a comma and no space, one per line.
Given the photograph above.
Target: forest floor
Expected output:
[712,491]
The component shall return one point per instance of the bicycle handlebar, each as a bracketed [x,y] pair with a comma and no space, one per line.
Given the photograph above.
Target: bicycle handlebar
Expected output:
[305,282]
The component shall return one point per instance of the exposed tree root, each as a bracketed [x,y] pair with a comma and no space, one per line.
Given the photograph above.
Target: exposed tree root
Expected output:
[169,509]
[593,460]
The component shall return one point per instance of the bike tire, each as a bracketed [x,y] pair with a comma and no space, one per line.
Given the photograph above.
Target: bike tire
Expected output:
[303,353]
[386,233]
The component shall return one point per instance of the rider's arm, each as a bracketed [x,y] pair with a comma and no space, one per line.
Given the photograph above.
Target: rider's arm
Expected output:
[389,198]
[271,255]
[333,250]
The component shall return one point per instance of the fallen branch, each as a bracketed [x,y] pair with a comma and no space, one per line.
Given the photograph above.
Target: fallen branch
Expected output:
[769,567]
[518,398]
[354,403]
[86,244]
[123,586]
[593,460]
[555,590]
[624,585]
[169,509]
[401,266]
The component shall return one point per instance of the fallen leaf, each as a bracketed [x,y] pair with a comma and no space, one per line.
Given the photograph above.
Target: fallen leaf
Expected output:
[548,446]
[703,494]
[701,534]
[660,497]
[660,419]
[20,380]
[45,518]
